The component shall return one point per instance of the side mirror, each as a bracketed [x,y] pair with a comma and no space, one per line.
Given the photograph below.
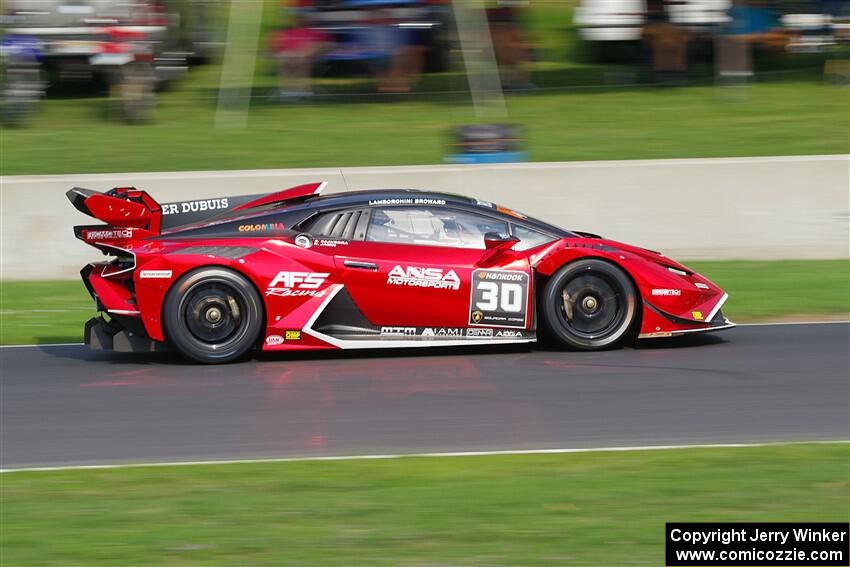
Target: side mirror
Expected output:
[499,241]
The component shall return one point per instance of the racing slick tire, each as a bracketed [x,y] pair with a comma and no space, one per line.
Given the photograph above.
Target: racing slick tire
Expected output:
[589,304]
[213,315]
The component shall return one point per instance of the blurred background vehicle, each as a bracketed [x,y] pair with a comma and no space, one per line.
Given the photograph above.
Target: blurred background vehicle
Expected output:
[127,64]
[22,79]
[670,34]
[486,143]
[623,20]
[126,49]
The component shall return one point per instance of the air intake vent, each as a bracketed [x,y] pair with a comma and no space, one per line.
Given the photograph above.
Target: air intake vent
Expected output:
[229,252]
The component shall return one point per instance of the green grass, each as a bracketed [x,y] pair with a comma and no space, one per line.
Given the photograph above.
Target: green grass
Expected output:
[596,509]
[784,290]
[43,312]
[783,118]
[50,312]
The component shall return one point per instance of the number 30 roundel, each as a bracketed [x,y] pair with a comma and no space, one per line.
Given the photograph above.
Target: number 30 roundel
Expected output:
[499,298]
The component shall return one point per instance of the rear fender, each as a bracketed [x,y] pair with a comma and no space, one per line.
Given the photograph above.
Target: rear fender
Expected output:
[154,278]
[158,271]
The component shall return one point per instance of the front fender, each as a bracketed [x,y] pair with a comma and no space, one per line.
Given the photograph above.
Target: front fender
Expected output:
[673,298]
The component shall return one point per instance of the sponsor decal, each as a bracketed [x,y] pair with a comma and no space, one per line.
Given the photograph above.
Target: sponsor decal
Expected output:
[667,292]
[292,335]
[286,292]
[398,331]
[108,234]
[499,298]
[502,276]
[274,340]
[264,227]
[479,332]
[701,285]
[195,206]
[509,333]
[697,315]
[416,276]
[300,280]
[287,284]
[458,334]
[656,335]
[408,201]
[330,243]
[155,274]
[442,332]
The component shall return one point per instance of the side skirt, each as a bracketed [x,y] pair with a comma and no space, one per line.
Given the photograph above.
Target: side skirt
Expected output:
[409,336]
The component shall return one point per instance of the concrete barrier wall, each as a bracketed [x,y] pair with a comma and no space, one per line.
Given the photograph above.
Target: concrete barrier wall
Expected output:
[736,208]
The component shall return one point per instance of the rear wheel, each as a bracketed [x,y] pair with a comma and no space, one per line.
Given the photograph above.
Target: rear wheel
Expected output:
[213,315]
[589,305]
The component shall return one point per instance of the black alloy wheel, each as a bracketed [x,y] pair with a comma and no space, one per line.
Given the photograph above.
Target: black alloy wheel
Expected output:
[213,315]
[589,304]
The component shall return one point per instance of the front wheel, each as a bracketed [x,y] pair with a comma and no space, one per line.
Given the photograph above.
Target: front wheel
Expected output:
[213,315]
[589,305]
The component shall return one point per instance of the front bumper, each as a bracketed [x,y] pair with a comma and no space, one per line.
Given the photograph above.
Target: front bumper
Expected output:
[717,323]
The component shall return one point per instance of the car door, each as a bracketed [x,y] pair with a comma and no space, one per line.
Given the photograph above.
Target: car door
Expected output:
[429,267]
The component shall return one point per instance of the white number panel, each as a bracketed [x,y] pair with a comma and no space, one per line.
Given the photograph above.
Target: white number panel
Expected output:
[499,298]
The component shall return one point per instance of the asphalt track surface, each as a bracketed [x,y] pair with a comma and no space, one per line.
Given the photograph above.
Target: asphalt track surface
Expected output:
[65,405]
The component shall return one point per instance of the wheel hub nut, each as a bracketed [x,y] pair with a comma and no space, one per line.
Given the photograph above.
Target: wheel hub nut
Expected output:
[213,315]
[589,303]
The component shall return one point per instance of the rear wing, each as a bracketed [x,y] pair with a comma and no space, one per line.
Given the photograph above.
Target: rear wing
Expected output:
[131,213]
[128,213]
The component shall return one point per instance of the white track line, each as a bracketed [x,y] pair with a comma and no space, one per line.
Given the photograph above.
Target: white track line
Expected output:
[739,324]
[426,455]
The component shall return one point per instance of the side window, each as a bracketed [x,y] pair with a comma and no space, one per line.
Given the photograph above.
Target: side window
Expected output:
[529,238]
[431,227]
[349,225]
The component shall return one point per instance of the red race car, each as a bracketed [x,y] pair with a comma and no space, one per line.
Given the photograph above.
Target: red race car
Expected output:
[294,270]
